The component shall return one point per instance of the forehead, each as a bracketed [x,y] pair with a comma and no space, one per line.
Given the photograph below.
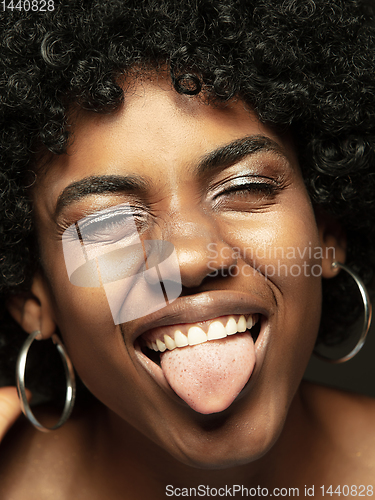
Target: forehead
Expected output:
[155,130]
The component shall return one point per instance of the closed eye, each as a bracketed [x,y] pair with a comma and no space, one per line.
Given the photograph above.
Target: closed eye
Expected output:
[121,222]
[246,189]
[109,229]
[244,195]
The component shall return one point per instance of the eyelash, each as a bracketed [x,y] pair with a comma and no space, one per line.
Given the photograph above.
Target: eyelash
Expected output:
[262,187]
[99,230]
[269,189]
[91,227]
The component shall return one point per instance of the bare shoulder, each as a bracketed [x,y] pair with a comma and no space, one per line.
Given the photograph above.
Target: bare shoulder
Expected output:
[347,421]
[35,464]
[343,404]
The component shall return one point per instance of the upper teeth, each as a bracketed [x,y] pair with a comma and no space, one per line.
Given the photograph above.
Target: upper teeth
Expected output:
[196,335]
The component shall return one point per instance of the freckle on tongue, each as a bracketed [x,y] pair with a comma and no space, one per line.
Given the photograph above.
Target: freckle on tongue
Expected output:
[209,376]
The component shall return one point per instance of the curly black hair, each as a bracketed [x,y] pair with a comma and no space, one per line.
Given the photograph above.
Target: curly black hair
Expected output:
[306,65]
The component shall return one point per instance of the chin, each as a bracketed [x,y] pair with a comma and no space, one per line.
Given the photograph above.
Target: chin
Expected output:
[230,439]
[217,456]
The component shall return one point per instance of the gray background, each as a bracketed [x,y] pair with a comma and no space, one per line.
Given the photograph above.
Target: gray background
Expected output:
[356,375]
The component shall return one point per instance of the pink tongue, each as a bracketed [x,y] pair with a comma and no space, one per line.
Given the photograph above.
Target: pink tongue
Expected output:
[209,376]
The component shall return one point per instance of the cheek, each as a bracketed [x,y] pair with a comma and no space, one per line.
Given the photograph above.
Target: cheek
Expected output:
[85,323]
[282,245]
[87,328]
[288,252]
[281,250]
[77,308]
[98,350]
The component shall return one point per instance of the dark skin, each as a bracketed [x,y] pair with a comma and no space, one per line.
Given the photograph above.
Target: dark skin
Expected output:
[277,433]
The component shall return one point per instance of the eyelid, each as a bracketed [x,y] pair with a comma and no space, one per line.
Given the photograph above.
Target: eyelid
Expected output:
[99,214]
[245,180]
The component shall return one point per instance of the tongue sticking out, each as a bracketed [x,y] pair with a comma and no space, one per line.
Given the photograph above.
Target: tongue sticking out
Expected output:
[209,376]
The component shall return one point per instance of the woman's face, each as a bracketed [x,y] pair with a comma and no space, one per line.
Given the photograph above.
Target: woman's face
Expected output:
[227,192]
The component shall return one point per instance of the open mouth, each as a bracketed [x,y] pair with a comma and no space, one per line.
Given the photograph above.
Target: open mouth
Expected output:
[168,338]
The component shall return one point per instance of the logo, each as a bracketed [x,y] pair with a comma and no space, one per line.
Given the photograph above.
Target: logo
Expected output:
[105,249]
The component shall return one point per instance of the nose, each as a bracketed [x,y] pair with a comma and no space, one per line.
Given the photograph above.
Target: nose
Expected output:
[200,248]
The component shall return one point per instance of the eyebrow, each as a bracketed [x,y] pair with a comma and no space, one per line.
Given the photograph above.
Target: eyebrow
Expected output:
[99,184]
[221,157]
[236,151]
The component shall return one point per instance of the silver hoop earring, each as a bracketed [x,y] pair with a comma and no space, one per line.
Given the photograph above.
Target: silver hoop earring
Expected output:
[366,319]
[70,378]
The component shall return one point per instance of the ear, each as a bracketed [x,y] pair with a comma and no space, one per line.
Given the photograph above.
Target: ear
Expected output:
[332,241]
[32,310]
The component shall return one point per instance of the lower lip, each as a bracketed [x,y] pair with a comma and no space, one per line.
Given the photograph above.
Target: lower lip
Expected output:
[156,372]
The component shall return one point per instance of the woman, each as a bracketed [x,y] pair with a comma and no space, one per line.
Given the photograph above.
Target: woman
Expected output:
[235,144]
